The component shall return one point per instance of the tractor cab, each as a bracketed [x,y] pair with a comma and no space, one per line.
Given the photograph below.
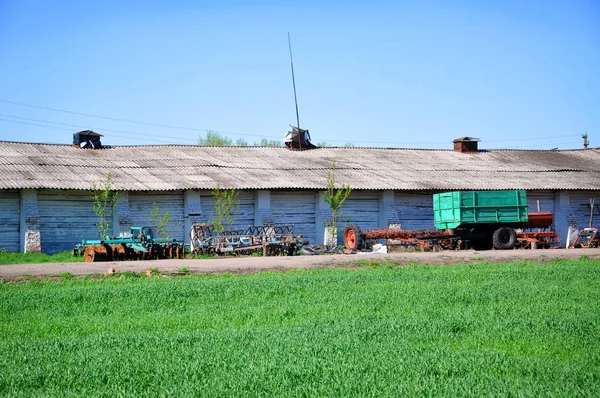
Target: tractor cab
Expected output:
[142,233]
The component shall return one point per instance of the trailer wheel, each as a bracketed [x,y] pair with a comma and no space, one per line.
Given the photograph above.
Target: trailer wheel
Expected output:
[352,237]
[504,238]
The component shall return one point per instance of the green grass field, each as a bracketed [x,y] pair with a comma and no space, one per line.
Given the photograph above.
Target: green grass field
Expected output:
[476,330]
[62,257]
[36,258]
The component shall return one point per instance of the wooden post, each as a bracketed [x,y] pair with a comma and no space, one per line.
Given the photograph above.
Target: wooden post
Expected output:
[592,201]
[539,209]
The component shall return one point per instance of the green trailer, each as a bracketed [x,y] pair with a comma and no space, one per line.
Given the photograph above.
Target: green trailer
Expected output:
[483,219]
[486,218]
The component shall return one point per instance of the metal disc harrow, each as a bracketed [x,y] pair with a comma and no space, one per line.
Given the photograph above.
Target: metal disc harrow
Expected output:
[138,244]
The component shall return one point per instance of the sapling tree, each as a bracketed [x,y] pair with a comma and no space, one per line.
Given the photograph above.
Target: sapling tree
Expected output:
[335,198]
[160,221]
[104,199]
[226,205]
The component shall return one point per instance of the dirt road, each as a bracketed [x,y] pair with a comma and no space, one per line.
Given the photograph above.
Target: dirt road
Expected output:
[254,264]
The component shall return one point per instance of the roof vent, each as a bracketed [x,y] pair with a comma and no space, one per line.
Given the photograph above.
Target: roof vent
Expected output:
[298,139]
[87,139]
[466,144]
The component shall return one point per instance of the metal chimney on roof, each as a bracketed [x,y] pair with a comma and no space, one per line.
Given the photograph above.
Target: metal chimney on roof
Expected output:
[466,144]
[87,139]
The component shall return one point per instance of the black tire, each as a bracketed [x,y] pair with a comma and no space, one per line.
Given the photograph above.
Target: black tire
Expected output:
[504,238]
[352,237]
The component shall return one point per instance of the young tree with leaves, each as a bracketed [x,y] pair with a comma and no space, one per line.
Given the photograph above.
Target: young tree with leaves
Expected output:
[160,221]
[214,138]
[266,142]
[103,200]
[226,205]
[335,198]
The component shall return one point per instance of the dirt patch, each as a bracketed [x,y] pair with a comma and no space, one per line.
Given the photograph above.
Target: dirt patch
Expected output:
[61,271]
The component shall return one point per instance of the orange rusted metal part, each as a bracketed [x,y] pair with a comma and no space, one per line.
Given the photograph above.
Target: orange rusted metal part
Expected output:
[541,240]
[350,238]
[588,237]
[401,234]
[542,219]
[98,253]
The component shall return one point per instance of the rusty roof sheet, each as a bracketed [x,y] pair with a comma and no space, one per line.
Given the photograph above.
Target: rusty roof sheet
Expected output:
[173,167]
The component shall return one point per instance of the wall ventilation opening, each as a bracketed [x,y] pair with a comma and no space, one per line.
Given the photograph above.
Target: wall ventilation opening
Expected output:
[87,139]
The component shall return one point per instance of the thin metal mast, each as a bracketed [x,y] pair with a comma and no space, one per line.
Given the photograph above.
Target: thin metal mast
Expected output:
[294,82]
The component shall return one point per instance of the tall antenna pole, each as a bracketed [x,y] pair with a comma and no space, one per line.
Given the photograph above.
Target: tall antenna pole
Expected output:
[294,81]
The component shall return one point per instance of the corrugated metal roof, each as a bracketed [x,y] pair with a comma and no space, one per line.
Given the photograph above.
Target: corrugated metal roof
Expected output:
[171,167]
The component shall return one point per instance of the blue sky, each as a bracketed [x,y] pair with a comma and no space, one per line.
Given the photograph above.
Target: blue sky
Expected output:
[409,74]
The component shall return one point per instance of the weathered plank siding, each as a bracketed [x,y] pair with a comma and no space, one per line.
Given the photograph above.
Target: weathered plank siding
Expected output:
[415,210]
[10,221]
[66,217]
[361,208]
[243,217]
[580,203]
[295,207]
[142,203]
[546,199]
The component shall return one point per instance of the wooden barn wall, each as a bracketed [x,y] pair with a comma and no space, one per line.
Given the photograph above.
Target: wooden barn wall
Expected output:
[66,218]
[142,203]
[295,207]
[415,210]
[10,221]
[580,204]
[361,208]
[546,199]
[244,216]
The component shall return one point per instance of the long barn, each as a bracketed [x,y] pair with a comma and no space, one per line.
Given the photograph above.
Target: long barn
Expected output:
[45,201]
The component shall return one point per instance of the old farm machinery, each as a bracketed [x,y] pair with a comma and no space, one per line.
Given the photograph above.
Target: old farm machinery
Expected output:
[137,244]
[587,238]
[477,219]
[268,240]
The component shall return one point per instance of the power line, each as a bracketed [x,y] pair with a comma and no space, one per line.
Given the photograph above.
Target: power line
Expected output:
[445,142]
[536,138]
[95,128]
[66,129]
[542,145]
[168,126]
[168,142]
[220,132]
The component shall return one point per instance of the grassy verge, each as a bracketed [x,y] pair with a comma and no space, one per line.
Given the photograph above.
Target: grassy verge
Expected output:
[480,329]
[7,258]
[32,258]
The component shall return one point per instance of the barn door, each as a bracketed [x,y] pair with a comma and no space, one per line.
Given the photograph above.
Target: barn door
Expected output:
[243,217]
[66,218]
[10,221]
[141,205]
[295,207]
